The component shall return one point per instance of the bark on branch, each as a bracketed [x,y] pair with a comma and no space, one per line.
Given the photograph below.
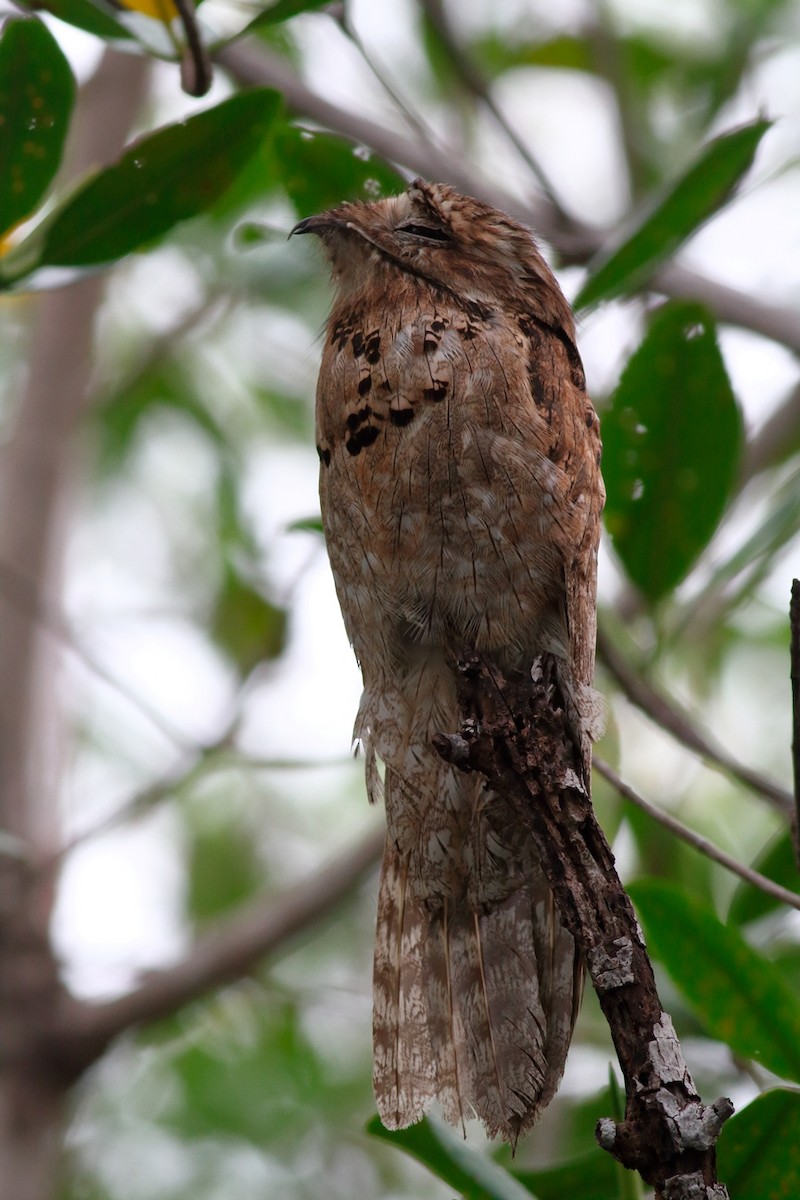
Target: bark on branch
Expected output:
[516,733]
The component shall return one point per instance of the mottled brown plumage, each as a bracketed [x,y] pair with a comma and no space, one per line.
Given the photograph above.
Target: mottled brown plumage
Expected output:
[461,500]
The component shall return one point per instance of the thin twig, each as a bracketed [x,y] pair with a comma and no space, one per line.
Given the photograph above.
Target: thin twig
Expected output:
[666,713]
[27,598]
[215,757]
[473,81]
[733,307]
[777,438]
[258,66]
[233,949]
[196,73]
[696,840]
[412,118]
[794,626]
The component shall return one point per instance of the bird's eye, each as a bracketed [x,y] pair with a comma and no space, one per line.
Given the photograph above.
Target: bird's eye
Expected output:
[431,232]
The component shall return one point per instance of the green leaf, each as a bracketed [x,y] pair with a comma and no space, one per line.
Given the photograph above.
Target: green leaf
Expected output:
[305,525]
[164,178]
[591,1176]
[37,93]
[282,10]
[496,54]
[739,996]
[698,194]
[224,870]
[454,1161]
[779,864]
[254,1077]
[755,557]
[758,1153]
[319,170]
[245,625]
[84,14]
[672,440]
[162,385]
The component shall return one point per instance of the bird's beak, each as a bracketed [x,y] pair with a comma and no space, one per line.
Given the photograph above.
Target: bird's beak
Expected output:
[314,224]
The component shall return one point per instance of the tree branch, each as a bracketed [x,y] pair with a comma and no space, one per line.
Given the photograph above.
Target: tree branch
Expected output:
[666,713]
[782,894]
[260,67]
[794,670]
[80,1032]
[35,485]
[775,441]
[516,733]
[477,86]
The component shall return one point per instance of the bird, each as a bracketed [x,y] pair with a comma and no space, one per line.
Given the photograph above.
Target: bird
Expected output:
[461,497]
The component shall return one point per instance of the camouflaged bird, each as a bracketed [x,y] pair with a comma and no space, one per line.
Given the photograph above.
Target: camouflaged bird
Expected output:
[461,499]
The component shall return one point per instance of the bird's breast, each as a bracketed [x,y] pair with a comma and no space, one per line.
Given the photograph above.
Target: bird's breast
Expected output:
[439,493]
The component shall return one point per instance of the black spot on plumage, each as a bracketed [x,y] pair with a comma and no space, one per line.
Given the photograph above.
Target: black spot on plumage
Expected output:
[324,455]
[401,416]
[437,326]
[437,390]
[365,385]
[358,344]
[372,348]
[355,419]
[342,328]
[368,434]
[468,332]
[360,438]
[477,311]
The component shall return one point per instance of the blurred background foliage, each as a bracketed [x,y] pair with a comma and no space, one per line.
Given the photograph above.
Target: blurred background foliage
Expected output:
[199,689]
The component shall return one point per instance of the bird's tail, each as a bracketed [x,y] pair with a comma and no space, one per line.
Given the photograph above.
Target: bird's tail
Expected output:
[476,982]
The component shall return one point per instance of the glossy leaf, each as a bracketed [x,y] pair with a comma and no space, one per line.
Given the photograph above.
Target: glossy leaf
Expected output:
[672,440]
[454,1161]
[282,10]
[496,54]
[37,93]
[778,863]
[758,1153]
[739,996]
[83,14]
[688,204]
[163,179]
[319,170]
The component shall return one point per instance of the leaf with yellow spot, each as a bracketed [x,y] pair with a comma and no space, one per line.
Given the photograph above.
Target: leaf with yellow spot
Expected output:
[160,10]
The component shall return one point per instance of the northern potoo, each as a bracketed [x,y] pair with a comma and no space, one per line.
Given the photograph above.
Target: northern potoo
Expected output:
[461,500]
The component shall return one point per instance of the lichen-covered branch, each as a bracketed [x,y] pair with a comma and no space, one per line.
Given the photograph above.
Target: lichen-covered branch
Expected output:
[516,733]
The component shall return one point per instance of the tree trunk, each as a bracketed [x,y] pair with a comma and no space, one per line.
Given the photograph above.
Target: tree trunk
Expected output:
[34,487]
